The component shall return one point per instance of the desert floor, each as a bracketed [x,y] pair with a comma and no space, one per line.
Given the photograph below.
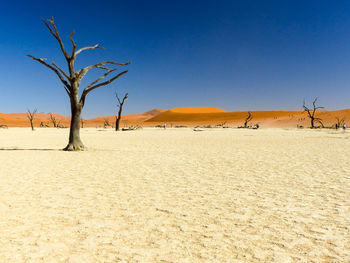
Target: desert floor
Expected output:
[175,195]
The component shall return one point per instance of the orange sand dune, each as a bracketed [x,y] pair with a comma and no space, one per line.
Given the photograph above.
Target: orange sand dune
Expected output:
[130,119]
[174,116]
[38,115]
[21,120]
[190,116]
[11,121]
[196,110]
[263,118]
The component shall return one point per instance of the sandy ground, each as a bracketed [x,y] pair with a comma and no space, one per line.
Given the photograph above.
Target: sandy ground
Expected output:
[223,195]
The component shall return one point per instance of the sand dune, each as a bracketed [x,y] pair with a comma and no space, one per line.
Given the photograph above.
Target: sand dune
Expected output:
[20,119]
[196,110]
[174,195]
[264,118]
[39,115]
[128,119]
[191,116]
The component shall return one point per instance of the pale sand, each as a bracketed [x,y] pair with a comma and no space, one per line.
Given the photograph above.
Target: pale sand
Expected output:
[220,195]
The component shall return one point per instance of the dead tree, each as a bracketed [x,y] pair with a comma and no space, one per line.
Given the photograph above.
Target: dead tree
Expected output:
[45,125]
[72,79]
[82,122]
[31,116]
[120,106]
[53,120]
[248,119]
[311,113]
[340,122]
[106,123]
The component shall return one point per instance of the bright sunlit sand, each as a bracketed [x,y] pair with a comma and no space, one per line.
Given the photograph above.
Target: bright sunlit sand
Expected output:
[175,195]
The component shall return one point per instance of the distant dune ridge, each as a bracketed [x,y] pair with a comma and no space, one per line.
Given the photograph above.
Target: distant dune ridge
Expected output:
[188,116]
[196,110]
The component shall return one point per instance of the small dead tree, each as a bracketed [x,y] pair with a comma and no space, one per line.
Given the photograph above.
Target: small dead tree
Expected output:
[248,119]
[340,122]
[106,123]
[72,79]
[82,122]
[53,120]
[120,106]
[31,116]
[311,113]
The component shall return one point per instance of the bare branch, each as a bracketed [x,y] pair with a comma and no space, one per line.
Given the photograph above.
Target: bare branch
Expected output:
[124,99]
[40,60]
[86,48]
[57,36]
[105,68]
[74,46]
[68,92]
[64,74]
[116,94]
[30,115]
[87,90]
[106,82]
[81,73]
[100,78]
[47,25]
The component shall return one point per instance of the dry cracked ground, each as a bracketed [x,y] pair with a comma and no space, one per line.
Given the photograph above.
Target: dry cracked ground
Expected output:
[175,195]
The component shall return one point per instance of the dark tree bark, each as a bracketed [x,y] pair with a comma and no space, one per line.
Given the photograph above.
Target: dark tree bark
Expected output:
[31,116]
[72,80]
[248,119]
[120,105]
[311,113]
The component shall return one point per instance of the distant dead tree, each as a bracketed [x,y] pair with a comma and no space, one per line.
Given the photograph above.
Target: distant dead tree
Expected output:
[248,119]
[311,113]
[53,120]
[120,105]
[72,80]
[340,122]
[106,123]
[43,125]
[31,116]
[222,124]
[82,122]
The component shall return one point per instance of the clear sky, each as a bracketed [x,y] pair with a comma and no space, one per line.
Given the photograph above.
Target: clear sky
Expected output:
[235,55]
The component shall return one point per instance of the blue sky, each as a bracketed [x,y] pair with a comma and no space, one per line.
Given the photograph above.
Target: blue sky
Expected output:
[235,55]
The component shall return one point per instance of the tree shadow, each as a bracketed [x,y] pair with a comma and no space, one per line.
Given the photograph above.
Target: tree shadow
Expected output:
[30,149]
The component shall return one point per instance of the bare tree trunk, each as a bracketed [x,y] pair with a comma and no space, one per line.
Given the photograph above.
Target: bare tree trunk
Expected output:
[117,121]
[248,119]
[31,116]
[75,144]
[31,124]
[121,103]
